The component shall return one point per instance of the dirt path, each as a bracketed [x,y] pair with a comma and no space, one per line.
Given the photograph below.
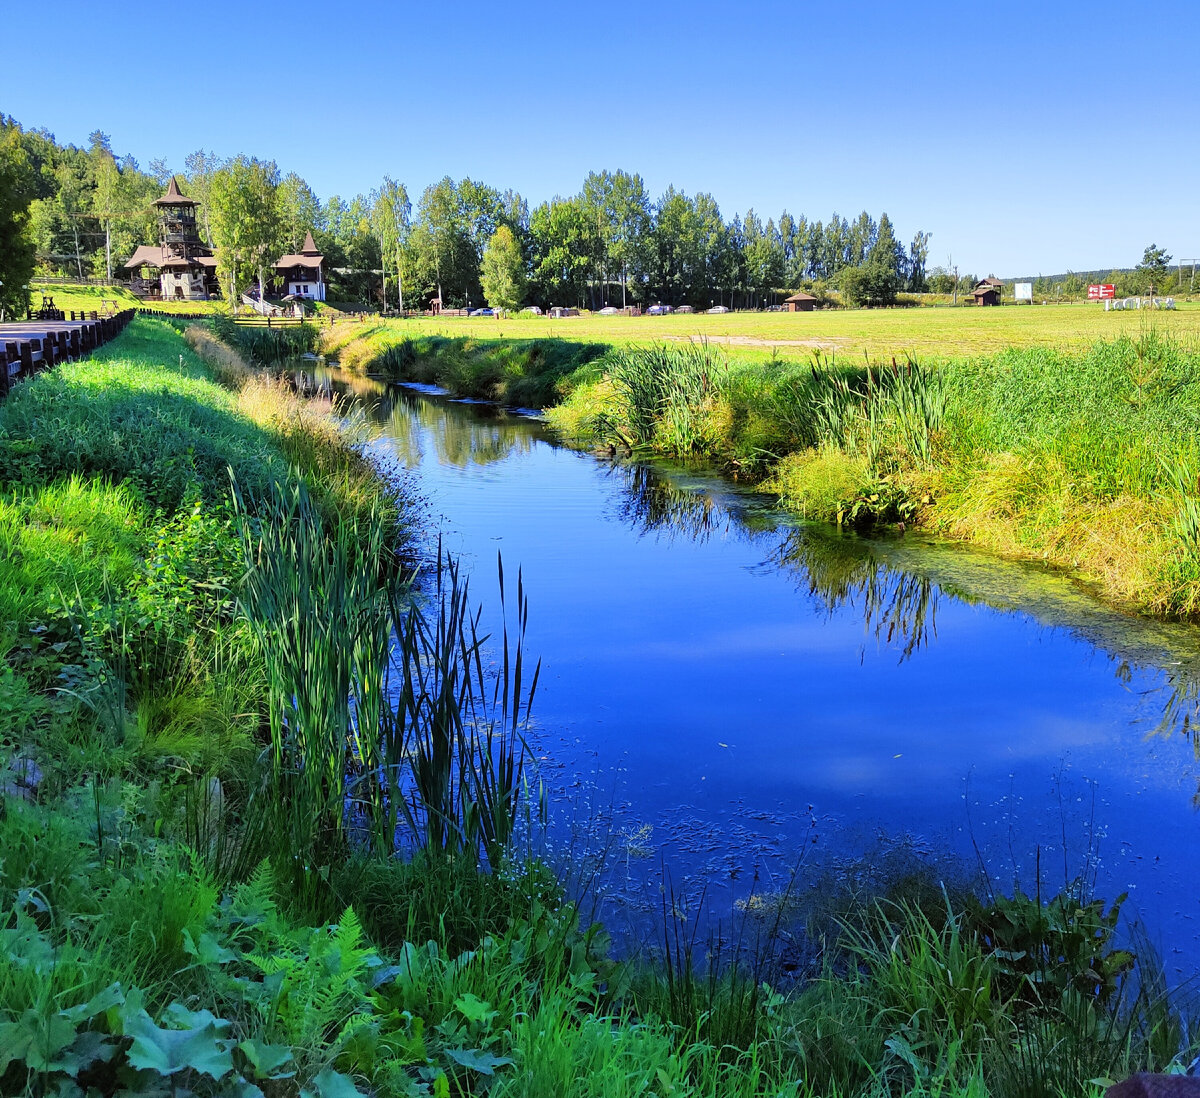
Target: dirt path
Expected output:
[827,344]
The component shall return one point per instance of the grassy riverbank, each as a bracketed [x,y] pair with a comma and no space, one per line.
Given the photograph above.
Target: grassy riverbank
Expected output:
[1086,460]
[1081,455]
[205,778]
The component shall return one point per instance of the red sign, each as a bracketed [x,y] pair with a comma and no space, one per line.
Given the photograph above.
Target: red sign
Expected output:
[1099,293]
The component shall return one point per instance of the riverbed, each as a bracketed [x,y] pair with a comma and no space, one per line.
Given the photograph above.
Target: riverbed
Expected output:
[729,696]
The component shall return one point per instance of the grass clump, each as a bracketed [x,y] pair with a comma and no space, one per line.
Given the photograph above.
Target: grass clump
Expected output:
[266,346]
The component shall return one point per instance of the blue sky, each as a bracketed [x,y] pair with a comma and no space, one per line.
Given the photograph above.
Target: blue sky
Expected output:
[1025,140]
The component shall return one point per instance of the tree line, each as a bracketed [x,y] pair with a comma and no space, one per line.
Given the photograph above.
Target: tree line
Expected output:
[82,211]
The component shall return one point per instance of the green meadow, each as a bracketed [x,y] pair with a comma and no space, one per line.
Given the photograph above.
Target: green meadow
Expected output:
[929,332]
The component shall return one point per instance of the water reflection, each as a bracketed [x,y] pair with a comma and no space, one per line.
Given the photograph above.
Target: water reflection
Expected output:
[707,675]
[840,572]
[896,586]
[898,608]
[654,503]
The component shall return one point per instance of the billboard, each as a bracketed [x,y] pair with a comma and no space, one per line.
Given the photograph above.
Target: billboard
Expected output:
[1023,291]
[1102,291]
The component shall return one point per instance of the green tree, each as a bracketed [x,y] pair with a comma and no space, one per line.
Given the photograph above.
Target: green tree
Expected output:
[109,199]
[72,199]
[244,199]
[1152,271]
[299,211]
[918,255]
[390,219]
[18,187]
[442,241]
[199,169]
[562,241]
[503,270]
[349,243]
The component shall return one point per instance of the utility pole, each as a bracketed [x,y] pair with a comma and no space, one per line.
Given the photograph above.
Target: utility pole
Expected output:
[954,270]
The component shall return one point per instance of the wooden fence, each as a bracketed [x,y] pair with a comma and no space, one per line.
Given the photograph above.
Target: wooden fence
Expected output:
[31,345]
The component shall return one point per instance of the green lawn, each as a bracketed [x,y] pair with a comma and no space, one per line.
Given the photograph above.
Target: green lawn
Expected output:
[928,333]
[75,296]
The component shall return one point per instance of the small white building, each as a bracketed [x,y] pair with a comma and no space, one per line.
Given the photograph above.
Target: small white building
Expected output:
[303,274]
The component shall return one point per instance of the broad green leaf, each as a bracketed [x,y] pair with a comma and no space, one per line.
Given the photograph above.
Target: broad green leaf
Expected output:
[89,1048]
[477,1060]
[64,1088]
[207,951]
[170,1050]
[239,1088]
[37,1040]
[179,1017]
[111,996]
[14,1042]
[120,1017]
[474,1009]
[330,1084]
[267,1060]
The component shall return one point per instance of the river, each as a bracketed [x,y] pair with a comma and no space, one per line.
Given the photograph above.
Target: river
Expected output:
[728,694]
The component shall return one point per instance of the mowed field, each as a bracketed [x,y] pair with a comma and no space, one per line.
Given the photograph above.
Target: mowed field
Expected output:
[927,333]
[77,296]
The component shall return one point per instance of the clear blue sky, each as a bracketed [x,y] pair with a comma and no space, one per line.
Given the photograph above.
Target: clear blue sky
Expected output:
[1025,139]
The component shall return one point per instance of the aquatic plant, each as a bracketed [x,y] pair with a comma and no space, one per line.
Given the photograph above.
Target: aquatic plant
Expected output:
[420,749]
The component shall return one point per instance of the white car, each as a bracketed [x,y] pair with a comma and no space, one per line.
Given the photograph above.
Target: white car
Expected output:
[608,310]
[717,309]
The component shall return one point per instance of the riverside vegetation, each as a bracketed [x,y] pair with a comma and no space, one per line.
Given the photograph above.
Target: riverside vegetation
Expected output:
[245,851]
[1085,458]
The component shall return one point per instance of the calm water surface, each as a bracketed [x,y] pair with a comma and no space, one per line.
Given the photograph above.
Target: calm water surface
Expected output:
[727,693]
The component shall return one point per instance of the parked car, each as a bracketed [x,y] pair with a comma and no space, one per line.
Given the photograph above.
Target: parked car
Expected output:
[658,310]
[717,309]
[608,310]
[533,310]
[481,312]
[685,309]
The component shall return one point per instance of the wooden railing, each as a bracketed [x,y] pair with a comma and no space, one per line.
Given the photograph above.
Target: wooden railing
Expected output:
[61,280]
[31,345]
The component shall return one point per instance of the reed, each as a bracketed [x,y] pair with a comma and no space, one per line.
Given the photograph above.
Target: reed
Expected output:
[422,750]
[266,346]
[664,395]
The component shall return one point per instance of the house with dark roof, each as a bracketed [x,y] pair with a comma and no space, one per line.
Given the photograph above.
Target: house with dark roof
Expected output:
[987,291]
[303,272]
[799,303]
[180,267]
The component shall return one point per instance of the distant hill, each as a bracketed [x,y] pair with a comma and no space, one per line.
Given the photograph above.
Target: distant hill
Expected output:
[1088,276]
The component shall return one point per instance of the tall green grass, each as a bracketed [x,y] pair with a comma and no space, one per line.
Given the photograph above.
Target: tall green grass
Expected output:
[392,941]
[526,373]
[1080,458]
[266,346]
[420,750]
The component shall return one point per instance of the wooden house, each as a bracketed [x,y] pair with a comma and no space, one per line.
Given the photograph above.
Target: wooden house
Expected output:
[303,273]
[987,291]
[799,303]
[180,267]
